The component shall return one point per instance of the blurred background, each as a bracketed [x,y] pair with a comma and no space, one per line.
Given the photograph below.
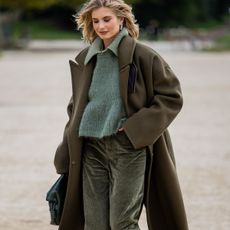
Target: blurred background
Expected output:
[37,39]
[207,20]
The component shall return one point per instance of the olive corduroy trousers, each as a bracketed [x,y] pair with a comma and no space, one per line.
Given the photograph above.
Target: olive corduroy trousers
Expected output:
[113,183]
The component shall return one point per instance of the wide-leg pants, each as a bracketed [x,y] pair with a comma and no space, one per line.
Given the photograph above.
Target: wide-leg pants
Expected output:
[113,183]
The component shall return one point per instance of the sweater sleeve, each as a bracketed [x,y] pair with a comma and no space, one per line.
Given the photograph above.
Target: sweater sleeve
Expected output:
[61,159]
[145,126]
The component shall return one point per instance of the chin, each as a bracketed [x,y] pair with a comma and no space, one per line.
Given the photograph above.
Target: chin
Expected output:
[104,37]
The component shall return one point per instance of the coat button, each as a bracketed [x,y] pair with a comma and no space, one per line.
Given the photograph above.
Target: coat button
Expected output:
[73,162]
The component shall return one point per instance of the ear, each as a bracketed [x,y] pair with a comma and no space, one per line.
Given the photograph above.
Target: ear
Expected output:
[122,20]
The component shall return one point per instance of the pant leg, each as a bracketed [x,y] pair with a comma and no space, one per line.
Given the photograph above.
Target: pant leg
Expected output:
[127,184]
[95,186]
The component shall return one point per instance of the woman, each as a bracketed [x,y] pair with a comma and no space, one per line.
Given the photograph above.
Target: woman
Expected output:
[116,148]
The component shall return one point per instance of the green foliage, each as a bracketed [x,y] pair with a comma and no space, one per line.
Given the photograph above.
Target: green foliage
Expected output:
[27,4]
[43,4]
[168,13]
[71,3]
[223,43]
[172,13]
[75,3]
[38,29]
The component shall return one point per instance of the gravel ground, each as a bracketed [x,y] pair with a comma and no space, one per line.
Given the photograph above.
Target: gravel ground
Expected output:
[34,91]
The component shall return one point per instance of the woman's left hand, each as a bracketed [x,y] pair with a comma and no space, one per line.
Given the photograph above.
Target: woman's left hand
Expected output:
[121,129]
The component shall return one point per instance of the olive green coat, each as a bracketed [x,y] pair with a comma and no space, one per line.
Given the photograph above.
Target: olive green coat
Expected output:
[151,107]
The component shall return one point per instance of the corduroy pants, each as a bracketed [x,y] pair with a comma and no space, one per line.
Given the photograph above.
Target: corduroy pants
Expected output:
[113,183]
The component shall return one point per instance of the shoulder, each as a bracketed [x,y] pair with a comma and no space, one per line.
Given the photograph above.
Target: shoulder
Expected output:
[143,50]
[147,54]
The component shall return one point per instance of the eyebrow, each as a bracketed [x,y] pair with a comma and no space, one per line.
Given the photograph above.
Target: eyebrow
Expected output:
[103,17]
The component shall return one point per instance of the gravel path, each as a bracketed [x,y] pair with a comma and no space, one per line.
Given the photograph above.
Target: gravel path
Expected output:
[34,91]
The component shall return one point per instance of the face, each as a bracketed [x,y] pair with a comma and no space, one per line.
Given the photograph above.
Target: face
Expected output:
[106,24]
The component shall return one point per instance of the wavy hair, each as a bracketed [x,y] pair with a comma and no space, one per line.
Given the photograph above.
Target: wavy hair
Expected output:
[122,10]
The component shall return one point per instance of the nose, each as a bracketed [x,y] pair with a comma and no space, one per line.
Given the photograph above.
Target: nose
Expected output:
[101,25]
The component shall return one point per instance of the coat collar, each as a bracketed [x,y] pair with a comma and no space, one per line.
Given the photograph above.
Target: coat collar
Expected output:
[97,46]
[125,53]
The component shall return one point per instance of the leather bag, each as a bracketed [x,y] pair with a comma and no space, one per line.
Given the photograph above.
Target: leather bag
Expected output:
[56,197]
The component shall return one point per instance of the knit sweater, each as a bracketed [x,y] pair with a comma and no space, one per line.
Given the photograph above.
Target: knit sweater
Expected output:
[104,113]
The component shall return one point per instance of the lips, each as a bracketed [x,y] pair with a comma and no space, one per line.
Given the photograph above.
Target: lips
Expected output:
[103,32]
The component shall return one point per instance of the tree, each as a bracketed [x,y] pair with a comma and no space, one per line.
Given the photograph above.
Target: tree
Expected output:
[26,4]
[76,3]
[11,11]
[180,12]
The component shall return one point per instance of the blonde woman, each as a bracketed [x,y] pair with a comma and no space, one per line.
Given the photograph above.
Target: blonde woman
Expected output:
[116,148]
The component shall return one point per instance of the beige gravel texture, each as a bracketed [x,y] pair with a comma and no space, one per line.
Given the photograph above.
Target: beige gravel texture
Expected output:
[34,92]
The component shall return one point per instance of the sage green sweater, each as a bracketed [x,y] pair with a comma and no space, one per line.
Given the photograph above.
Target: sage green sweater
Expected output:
[104,113]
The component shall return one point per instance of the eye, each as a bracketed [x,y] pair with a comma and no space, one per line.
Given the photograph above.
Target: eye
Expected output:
[107,20]
[95,21]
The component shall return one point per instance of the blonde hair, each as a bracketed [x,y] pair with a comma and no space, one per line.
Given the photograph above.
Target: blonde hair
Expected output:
[119,7]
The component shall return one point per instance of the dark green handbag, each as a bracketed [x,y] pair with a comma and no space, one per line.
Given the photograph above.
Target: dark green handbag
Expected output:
[56,197]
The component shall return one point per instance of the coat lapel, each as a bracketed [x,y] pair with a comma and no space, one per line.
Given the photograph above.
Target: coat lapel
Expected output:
[125,58]
[86,78]
[81,76]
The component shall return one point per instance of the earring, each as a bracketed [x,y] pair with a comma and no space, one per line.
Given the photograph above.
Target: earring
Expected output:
[121,27]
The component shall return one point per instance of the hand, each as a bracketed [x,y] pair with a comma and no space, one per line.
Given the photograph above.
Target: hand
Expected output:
[121,129]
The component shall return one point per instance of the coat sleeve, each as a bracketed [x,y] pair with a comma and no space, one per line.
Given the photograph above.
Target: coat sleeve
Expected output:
[61,159]
[145,126]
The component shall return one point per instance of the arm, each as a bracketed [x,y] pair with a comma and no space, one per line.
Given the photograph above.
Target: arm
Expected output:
[61,159]
[145,126]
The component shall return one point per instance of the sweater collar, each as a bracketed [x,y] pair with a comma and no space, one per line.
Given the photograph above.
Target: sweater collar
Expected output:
[97,45]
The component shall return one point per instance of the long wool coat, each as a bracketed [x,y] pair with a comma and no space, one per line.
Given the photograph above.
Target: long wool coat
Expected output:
[152,98]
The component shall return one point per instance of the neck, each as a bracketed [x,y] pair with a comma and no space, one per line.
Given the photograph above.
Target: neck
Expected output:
[106,43]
